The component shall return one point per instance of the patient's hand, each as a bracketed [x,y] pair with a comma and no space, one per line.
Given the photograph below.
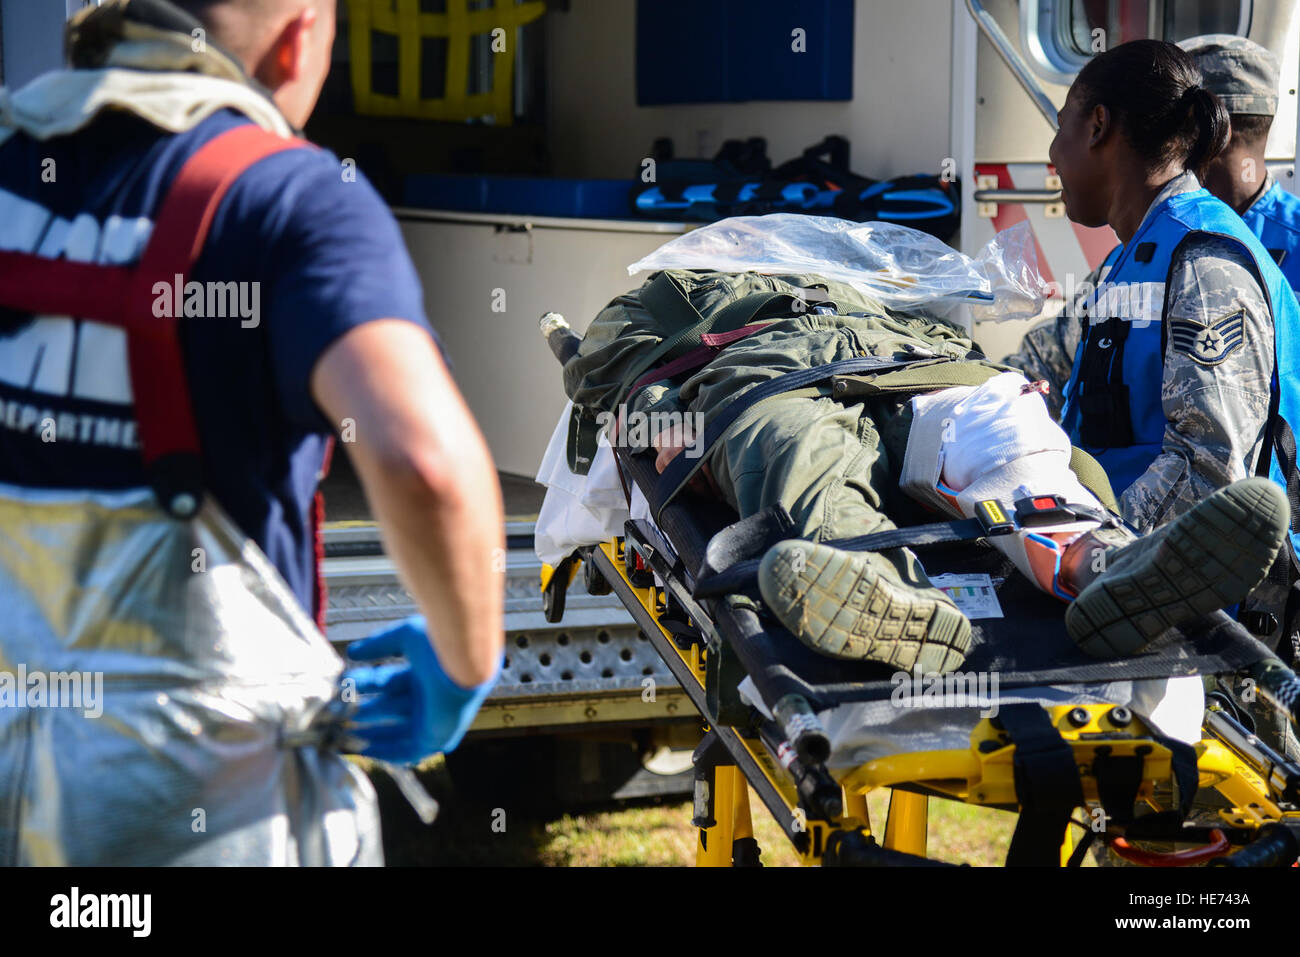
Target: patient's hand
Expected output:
[669,444]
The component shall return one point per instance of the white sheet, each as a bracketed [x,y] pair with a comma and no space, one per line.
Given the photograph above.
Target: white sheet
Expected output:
[864,731]
[580,509]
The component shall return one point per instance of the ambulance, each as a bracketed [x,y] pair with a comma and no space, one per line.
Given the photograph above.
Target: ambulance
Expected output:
[510,139]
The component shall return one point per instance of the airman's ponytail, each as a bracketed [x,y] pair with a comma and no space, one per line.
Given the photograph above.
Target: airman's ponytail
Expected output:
[1213,127]
[1153,89]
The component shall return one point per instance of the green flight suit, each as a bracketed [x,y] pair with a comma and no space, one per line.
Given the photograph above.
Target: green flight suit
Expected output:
[830,453]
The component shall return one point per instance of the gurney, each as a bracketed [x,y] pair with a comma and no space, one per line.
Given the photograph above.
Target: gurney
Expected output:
[1067,748]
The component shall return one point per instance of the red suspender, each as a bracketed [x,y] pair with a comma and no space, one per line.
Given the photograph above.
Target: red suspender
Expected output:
[158,383]
[320,599]
[123,296]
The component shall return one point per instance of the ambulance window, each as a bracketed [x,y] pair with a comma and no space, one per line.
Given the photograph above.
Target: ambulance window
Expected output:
[1063,34]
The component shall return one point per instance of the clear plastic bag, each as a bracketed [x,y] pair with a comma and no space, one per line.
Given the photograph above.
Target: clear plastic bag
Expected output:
[903,268]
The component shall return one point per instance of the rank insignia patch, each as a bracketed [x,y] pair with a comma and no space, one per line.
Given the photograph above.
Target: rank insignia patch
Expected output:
[1208,345]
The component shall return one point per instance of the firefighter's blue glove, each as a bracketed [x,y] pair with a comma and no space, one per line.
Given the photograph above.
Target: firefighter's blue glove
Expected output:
[411,710]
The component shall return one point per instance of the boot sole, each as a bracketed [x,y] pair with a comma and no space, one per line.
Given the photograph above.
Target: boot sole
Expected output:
[841,605]
[1211,557]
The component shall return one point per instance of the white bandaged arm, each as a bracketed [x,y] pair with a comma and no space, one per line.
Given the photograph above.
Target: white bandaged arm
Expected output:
[994,441]
[998,441]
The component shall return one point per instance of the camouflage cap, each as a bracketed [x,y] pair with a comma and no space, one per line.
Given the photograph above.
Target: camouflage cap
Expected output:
[1238,71]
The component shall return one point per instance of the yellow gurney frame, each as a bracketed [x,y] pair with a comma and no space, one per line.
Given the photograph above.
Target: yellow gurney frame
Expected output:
[1257,790]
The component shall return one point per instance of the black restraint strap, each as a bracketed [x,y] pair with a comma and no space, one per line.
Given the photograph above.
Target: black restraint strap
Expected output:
[1047,786]
[1081,849]
[740,575]
[681,468]
[1285,571]
[1186,780]
[1118,778]
[742,572]
[934,533]
[665,299]
[1285,449]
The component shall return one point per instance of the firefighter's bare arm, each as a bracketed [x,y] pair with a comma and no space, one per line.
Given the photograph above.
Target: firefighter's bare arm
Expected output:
[430,482]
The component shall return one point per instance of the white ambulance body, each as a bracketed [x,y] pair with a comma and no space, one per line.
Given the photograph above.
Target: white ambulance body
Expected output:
[929,87]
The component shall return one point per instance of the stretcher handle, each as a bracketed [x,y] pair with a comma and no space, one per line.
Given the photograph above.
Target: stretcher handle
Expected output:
[820,796]
[801,727]
[1278,685]
[1219,844]
[1283,776]
[559,335]
[1278,845]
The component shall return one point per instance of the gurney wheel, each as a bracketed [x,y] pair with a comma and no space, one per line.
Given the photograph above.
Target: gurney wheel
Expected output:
[594,580]
[553,604]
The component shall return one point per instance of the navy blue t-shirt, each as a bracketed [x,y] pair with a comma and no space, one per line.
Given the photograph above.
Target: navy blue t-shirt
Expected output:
[317,239]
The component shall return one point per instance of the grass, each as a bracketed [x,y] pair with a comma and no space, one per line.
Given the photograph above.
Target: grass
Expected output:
[663,836]
[640,834]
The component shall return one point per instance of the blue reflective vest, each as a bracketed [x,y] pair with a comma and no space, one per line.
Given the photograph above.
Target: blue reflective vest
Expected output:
[1275,219]
[1112,406]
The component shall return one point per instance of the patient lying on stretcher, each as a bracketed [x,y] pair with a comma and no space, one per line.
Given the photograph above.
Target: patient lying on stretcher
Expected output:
[857,455]
[1001,445]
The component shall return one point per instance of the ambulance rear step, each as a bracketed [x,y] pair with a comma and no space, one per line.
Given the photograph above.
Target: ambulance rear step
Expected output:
[593,668]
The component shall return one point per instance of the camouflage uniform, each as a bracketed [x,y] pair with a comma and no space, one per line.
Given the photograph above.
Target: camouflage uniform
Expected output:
[833,461]
[1244,75]
[1238,71]
[1216,412]
[833,464]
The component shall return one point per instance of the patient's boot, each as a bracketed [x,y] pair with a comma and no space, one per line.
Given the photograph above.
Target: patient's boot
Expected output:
[1207,559]
[859,606]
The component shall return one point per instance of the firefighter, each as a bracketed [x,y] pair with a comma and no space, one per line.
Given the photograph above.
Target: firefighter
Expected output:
[211,575]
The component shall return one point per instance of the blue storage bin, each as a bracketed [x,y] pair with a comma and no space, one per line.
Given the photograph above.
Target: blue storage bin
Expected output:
[521,195]
[726,51]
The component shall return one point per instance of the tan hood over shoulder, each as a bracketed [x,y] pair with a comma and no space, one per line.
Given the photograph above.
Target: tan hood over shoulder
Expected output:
[122,58]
